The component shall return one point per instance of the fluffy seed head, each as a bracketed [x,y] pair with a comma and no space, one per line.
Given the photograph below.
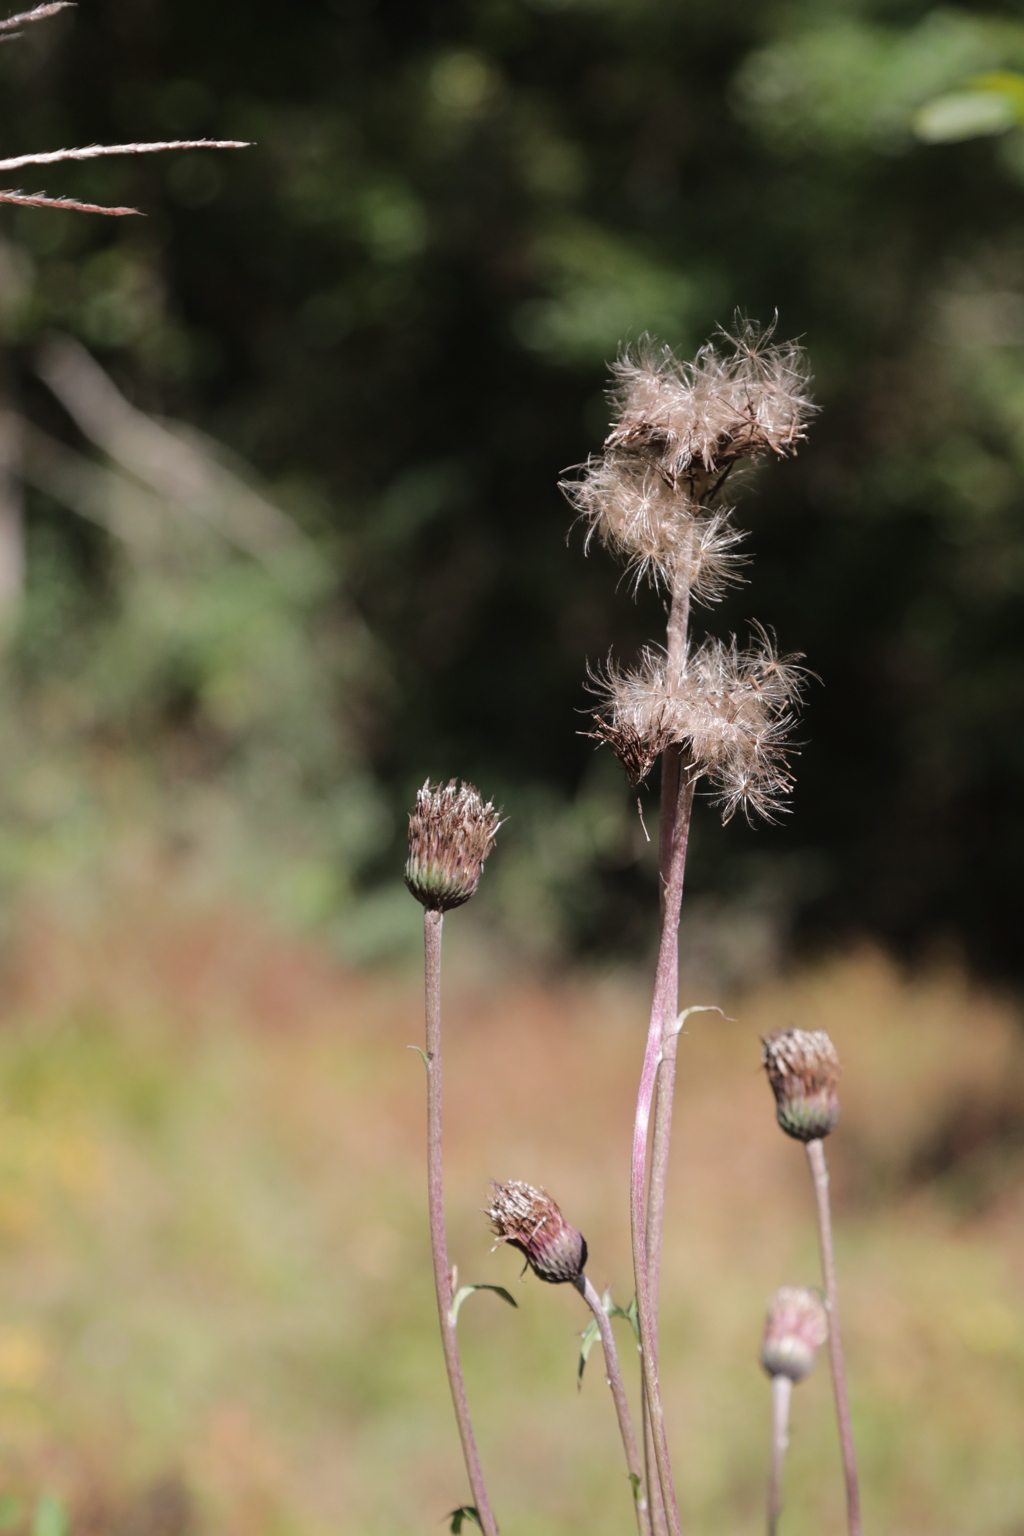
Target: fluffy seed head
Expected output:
[679,428]
[529,1220]
[731,709]
[451,832]
[803,1069]
[660,530]
[742,396]
[796,1328]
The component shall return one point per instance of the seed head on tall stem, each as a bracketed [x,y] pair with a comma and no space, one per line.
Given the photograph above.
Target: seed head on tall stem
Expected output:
[451,832]
[803,1070]
[717,711]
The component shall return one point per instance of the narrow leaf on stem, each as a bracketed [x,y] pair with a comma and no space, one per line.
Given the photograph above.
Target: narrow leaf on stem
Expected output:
[467,1290]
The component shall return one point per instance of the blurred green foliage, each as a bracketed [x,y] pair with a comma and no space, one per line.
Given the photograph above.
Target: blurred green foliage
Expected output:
[399,306]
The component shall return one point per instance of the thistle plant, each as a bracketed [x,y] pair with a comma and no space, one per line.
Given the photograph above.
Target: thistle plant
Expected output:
[711,711]
[795,1329]
[716,710]
[451,832]
[803,1070]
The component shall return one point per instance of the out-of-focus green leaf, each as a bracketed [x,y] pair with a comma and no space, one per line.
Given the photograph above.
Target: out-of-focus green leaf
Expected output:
[965,115]
[50,1518]
[12,1511]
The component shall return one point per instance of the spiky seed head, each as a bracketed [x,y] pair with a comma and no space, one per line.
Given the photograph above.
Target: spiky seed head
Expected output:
[803,1069]
[742,396]
[451,832]
[529,1220]
[796,1328]
[730,709]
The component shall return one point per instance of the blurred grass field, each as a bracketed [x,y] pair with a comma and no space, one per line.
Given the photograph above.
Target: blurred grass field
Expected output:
[215,1302]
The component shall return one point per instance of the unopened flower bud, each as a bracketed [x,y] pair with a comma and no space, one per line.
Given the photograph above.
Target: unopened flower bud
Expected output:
[451,832]
[803,1069]
[528,1219]
[796,1328]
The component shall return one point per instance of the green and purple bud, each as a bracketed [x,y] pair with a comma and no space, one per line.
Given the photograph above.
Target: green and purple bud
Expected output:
[803,1069]
[796,1328]
[451,832]
[529,1220]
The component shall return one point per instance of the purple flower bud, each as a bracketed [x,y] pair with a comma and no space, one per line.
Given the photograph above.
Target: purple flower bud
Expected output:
[529,1220]
[803,1069]
[796,1328]
[451,832]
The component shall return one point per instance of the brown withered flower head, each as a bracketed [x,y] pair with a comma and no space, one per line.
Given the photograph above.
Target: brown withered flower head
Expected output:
[731,710]
[529,1220]
[636,750]
[679,428]
[653,497]
[743,395]
[803,1069]
[451,832]
[795,1329]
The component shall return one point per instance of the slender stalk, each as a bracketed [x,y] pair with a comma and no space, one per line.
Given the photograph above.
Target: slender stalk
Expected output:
[665,1086]
[667,823]
[432,923]
[659,1526]
[676,803]
[819,1174]
[665,985]
[782,1391]
[614,1377]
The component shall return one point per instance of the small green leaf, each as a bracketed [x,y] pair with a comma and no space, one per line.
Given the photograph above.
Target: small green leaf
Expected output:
[634,1478]
[426,1058]
[467,1290]
[50,1518]
[590,1334]
[630,1314]
[464,1512]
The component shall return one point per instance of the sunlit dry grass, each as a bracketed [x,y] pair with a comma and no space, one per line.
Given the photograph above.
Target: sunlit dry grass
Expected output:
[215,1303]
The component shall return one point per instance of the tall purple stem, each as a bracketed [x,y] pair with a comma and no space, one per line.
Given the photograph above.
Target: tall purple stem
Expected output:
[432,923]
[676,803]
[665,986]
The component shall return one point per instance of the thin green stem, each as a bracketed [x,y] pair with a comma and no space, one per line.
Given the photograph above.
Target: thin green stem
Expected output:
[432,924]
[819,1173]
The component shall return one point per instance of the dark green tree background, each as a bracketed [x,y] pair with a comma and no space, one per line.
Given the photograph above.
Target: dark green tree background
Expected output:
[399,307]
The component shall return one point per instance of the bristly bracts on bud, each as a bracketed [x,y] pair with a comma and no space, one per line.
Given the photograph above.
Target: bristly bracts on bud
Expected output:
[729,709]
[803,1070]
[451,832]
[529,1220]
